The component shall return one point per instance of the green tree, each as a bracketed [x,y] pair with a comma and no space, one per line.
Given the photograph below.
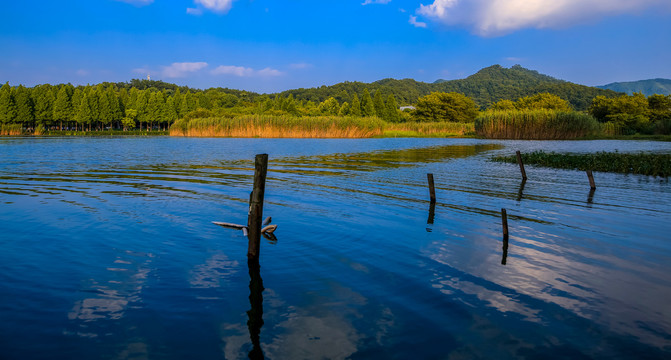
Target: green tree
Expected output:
[44,98]
[25,111]
[345,109]
[392,113]
[7,105]
[453,107]
[543,101]
[504,104]
[378,104]
[629,112]
[63,107]
[660,107]
[367,107]
[355,109]
[329,106]
[128,121]
[84,112]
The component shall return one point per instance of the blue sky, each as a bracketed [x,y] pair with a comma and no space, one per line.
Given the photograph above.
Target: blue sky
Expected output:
[269,46]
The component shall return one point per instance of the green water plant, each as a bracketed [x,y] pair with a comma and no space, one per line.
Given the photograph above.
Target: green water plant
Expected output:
[652,164]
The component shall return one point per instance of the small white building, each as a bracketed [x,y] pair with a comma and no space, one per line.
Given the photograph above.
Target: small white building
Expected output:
[404,108]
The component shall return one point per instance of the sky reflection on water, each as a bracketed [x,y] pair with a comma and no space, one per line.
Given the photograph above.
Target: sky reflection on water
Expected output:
[113,254]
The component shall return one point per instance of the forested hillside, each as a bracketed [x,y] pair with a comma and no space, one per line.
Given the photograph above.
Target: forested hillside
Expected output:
[645,87]
[485,87]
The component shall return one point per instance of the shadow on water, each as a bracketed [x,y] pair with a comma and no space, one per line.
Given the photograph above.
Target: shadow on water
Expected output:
[255,314]
[344,164]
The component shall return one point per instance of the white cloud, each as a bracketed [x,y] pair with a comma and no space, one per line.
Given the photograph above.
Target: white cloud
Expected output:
[413,21]
[218,6]
[499,17]
[368,2]
[194,11]
[233,70]
[268,72]
[242,71]
[137,2]
[178,70]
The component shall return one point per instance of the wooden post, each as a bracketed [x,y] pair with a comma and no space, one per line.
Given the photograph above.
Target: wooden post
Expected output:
[254,220]
[519,161]
[591,180]
[432,189]
[504,222]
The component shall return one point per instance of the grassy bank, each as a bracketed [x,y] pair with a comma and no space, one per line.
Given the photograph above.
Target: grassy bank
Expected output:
[628,163]
[535,125]
[269,126]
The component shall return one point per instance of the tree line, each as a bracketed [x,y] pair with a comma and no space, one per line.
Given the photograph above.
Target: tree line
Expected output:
[155,105]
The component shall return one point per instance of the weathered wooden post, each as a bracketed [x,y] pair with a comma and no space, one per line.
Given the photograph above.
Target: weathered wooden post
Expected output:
[504,222]
[521,164]
[591,180]
[254,220]
[432,189]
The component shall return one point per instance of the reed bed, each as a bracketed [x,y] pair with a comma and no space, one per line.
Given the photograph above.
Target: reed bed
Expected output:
[269,126]
[11,130]
[628,163]
[433,129]
[540,124]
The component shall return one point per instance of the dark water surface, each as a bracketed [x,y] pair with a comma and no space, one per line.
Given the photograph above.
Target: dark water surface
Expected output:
[107,250]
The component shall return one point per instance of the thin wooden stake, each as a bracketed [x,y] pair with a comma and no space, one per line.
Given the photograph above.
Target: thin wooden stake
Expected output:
[519,161]
[504,222]
[254,220]
[591,179]
[432,189]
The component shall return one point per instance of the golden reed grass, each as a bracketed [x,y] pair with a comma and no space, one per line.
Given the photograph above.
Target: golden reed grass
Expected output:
[11,130]
[535,125]
[280,126]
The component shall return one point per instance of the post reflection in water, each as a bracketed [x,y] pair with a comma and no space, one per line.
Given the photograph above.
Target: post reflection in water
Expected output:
[590,197]
[432,215]
[255,314]
[521,191]
[504,257]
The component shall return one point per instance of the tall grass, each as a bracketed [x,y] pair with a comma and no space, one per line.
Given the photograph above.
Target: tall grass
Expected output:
[432,129]
[11,129]
[285,126]
[282,126]
[632,163]
[537,124]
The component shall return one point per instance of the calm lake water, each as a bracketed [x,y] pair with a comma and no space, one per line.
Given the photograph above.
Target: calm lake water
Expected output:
[107,250]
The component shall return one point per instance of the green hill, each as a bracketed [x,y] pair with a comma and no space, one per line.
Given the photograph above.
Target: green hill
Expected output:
[488,85]
[646,87]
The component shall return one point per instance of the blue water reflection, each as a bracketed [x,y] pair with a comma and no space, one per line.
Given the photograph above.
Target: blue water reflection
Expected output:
[108,251]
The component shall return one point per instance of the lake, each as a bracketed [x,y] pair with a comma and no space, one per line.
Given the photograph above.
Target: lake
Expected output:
[107,250]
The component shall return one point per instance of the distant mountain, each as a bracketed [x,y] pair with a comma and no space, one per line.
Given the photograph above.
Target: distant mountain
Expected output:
[488,85]
[646,87]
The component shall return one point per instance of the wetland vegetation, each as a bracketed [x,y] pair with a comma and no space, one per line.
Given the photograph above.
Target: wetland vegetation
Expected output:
[643,163]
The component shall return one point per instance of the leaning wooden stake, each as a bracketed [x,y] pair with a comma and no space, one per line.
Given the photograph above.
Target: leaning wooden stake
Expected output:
[432,189]
[519,161]
[504,222]
[254,220]
[591,180]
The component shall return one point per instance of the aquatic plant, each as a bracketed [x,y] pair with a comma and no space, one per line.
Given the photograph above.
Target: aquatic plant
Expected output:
[11,129]
[538,124]
[629,163]
[287,126]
